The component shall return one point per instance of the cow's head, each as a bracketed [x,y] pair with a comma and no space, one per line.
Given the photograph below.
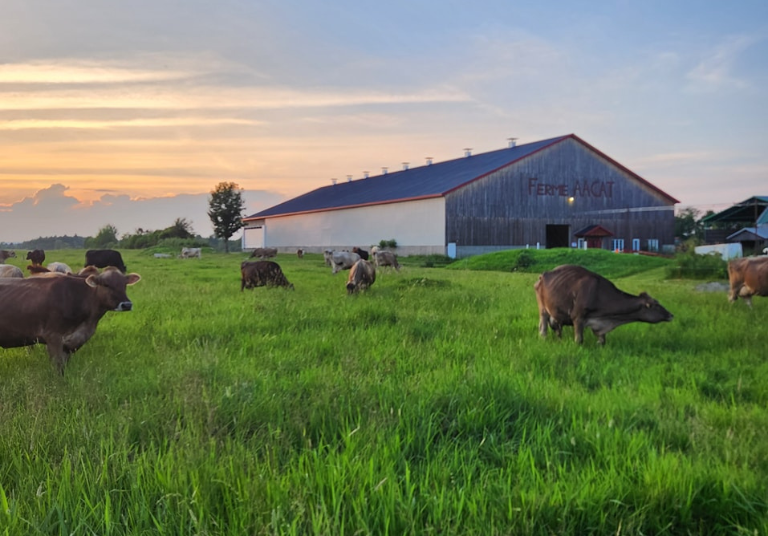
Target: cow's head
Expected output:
[110,285]
[652,311]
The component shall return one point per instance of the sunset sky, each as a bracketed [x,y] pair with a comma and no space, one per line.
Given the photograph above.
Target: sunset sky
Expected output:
[129,113]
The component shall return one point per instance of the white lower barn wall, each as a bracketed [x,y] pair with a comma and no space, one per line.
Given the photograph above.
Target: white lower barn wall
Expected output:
[417,226]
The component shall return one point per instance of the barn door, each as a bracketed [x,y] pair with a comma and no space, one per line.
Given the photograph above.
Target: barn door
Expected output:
[558,236]
[254,237]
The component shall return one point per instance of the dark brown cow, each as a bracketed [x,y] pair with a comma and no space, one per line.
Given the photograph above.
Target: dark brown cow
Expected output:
[264,253]
[300,253]
[101,258]
[748,277]
[5,255]
[61,311]
[571,295]
[262,274]
[361,276]
[37,256]
[363,254]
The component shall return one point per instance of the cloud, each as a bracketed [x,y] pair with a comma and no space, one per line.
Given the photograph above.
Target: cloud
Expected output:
[24,124]
[716,69]
[52,212]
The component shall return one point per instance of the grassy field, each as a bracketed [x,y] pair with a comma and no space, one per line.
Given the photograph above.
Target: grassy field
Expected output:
[428,405]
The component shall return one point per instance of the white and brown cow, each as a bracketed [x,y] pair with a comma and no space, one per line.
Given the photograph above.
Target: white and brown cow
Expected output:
[61,312]
[361,276]
[9,270]
[342,260]
[189,253]
[386,258]
[748,277]
[571,295]
[6,254]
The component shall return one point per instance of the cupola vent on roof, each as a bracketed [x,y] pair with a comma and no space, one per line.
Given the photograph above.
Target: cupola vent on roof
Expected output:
[468,152]
[405,165]
[512,142]
[429,160]
[384,170]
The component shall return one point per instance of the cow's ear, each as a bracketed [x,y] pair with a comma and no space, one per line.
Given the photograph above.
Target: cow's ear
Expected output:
[644,295]
[91,280]
[133,279]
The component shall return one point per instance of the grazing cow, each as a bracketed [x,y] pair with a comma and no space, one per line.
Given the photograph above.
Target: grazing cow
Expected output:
[37,256]
[361,276]
[386,258]
[328,257]
[571,295]
[343,260]
[36,269]
[162,255]
[9,270]
[264,253]
[5,254]
[748,277]
[363,254]
[61,312]
[262,274]
[300,253]
[374,251]
[188,253]
[101,258]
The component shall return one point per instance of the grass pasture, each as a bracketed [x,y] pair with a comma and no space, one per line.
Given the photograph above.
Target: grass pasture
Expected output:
[428,405]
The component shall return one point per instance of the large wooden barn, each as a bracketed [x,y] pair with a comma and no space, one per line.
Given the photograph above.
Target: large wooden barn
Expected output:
[560,192]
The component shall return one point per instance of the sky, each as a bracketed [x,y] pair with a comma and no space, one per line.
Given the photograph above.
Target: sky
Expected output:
[130,113]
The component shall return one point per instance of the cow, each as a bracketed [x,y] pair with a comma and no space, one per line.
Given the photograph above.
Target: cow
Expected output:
[262,274]
[343,260]
[36,256]
[36,269]
[162,255]
[748,277]
[59,267]
[300,253]
[571,295]
[5,255]
[61,312]
[10,271]
[263,253]
[363,254]
[101,258]
[328,257]
[361,276]
[188,253]
[88,270]
[374,251]
[386,258]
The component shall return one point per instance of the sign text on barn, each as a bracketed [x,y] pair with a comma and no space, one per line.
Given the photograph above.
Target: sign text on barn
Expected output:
[583,188]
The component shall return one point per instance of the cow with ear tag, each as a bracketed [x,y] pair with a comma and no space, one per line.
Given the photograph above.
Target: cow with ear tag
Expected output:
[60,312]
[571,295]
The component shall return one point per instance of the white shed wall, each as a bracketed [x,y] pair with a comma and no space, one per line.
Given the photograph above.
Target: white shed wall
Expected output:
[418,227]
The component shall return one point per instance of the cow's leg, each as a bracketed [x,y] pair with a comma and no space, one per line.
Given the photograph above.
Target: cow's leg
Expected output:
[543,322]
[578,329]
[58,355]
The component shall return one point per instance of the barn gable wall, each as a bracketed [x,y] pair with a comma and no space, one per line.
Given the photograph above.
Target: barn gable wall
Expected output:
[513,206]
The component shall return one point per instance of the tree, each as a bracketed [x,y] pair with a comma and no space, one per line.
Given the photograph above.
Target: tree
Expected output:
[181,228]
[106,238]
[687,223]
[226,210]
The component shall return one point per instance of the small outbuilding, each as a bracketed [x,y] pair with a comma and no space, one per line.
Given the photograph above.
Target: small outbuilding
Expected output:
[531,195]
[745,223]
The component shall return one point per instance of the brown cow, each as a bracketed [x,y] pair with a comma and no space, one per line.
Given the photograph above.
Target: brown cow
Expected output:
[363,254]
[264,253]
[361,276]
[5,255]
[9,270]
[37,256]
[61,312]
[748,277]
[571,295]
[262,274]
[300,253]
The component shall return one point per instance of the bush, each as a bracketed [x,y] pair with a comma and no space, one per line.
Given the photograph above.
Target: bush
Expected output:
[523,261]
[690,265]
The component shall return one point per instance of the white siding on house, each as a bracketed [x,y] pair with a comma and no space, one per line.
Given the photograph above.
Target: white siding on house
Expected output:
[417,226]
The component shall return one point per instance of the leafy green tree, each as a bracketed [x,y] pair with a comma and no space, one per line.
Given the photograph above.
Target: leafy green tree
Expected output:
[226,210]
[181,228]
[105,238]
[687,223]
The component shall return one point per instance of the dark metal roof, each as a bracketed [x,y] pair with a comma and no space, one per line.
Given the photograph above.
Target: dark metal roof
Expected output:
[754,208]
[421,182]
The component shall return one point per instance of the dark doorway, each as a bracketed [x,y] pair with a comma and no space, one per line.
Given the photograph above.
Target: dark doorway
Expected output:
[557,236]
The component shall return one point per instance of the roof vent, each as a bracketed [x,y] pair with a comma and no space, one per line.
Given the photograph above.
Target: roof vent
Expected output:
[429,160]
[365,174]
[384,170]
[405,165]
[349,178]
[333,181]
[468,152]
[512,142]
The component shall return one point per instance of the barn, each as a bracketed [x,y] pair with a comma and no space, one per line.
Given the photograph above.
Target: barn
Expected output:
[551,193]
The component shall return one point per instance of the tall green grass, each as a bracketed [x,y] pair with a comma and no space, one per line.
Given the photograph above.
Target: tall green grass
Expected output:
[426,405]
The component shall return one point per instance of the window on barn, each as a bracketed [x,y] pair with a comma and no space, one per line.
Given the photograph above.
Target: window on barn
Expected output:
[618,244]
[653,244]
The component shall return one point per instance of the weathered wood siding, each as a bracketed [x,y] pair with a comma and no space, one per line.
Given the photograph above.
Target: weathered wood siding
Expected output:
[513,206]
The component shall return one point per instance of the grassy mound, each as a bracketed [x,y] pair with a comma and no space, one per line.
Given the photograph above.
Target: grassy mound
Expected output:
[606,263]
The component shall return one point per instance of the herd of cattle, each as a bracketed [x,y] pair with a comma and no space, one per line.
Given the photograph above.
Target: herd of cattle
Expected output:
[61,308]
